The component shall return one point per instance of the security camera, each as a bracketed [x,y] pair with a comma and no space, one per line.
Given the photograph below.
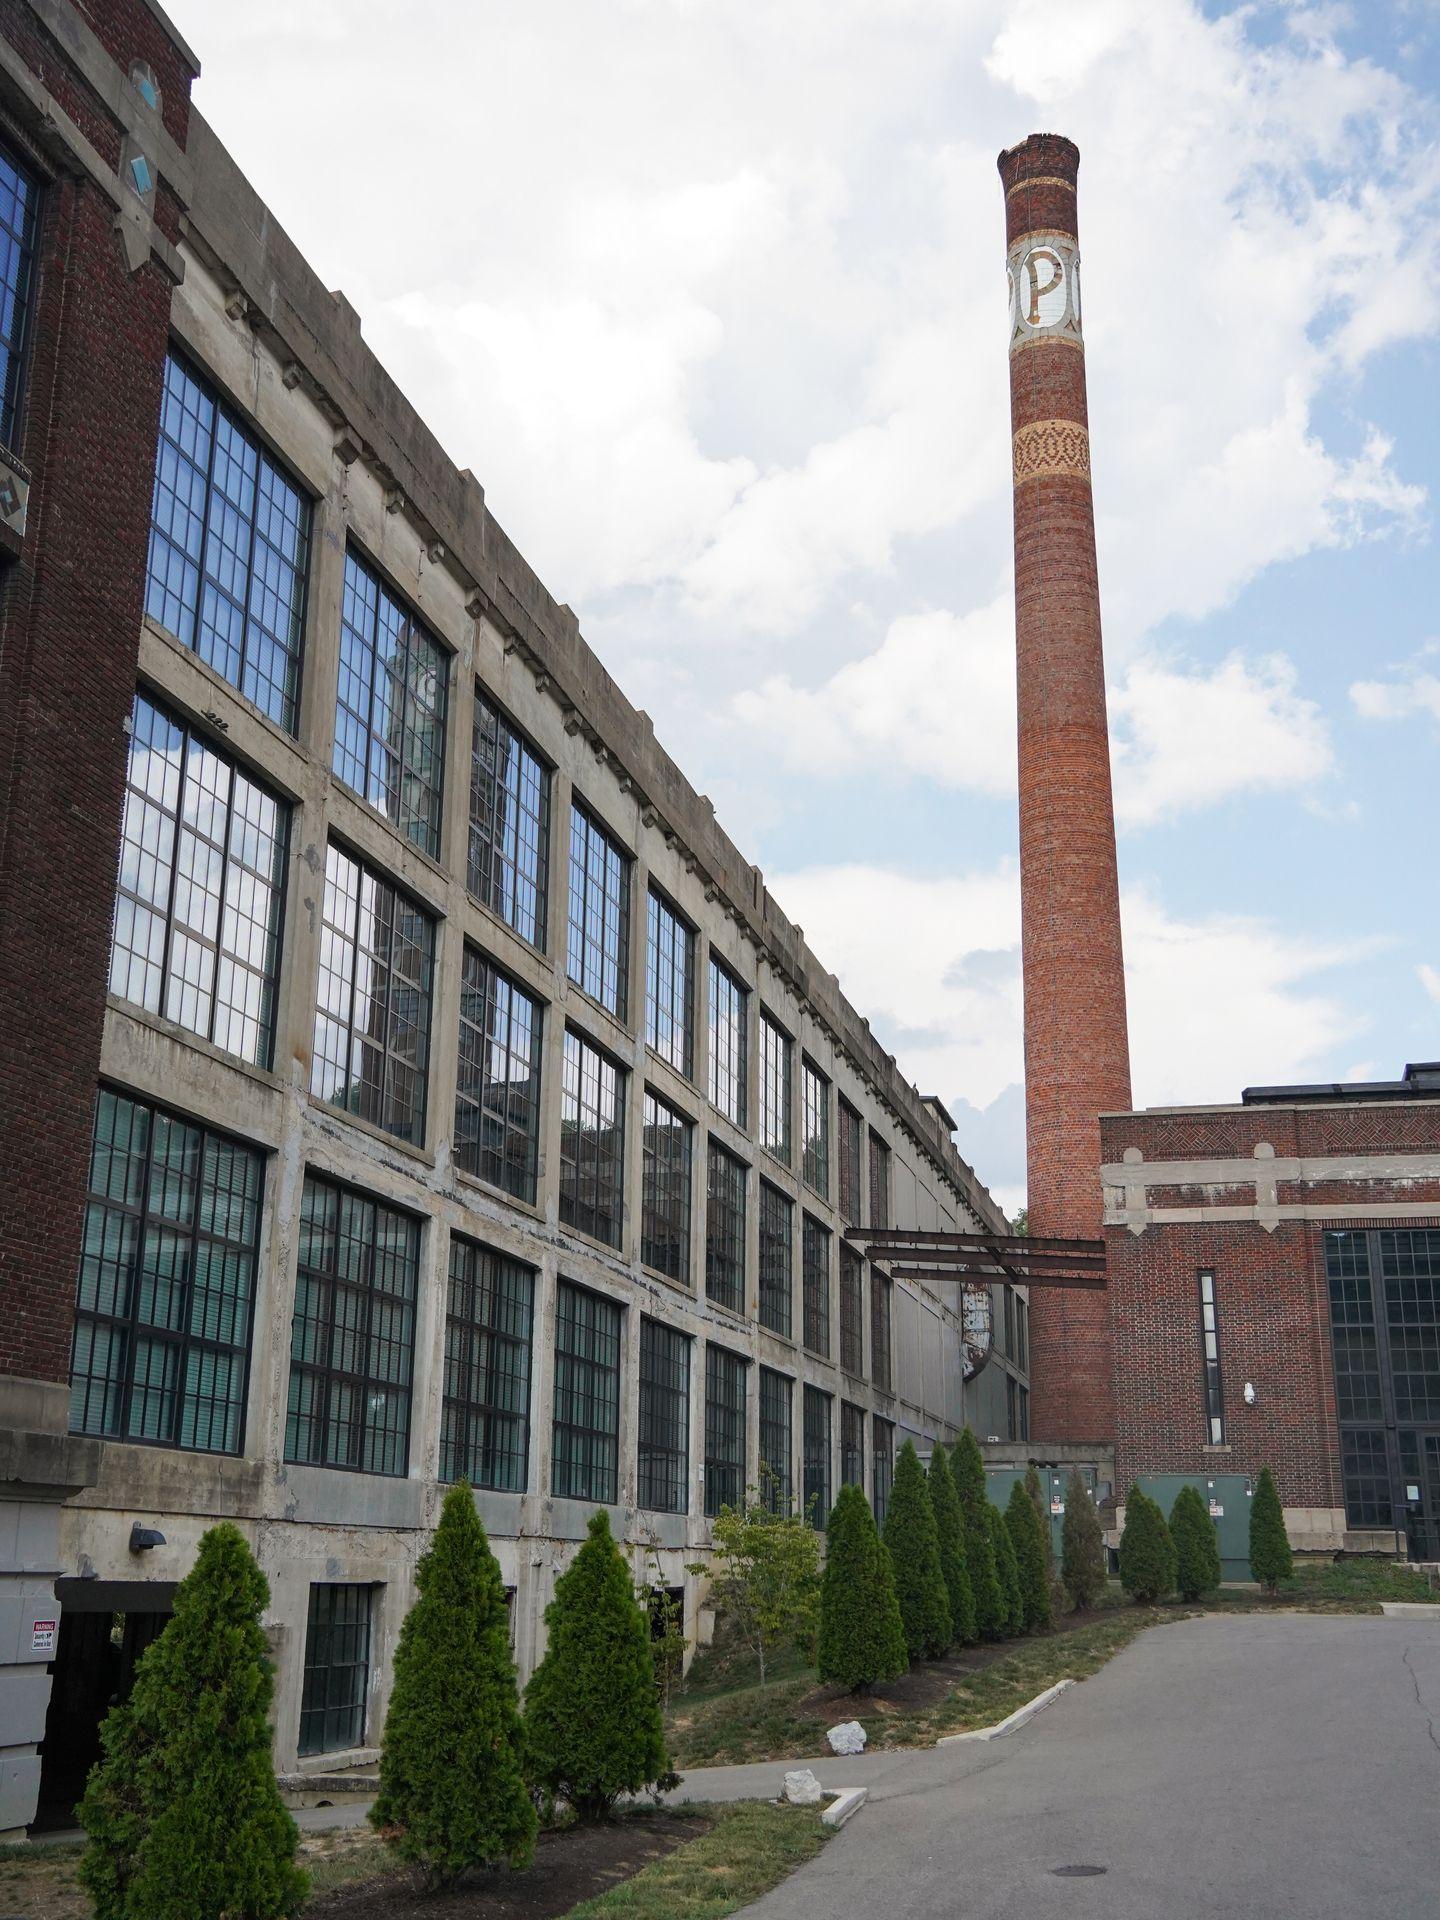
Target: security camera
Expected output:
[1249,1393]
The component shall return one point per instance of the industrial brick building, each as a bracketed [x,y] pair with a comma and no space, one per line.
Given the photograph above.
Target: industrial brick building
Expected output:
[437,1090]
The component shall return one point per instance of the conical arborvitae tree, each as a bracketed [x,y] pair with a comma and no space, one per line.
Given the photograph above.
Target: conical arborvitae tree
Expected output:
[452,1788]
[1271,1559]
[1147,1553]
[1008,1572]
[182,1810]
[1027,1537]
[1197,1545]
[915,1556]
[1082,1545]
[862,1638]
[950,1526]
[592,1714]
[1036,1494]
[968,1469]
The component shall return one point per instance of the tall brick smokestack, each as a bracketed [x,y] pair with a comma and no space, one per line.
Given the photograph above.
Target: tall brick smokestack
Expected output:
[1077,1058]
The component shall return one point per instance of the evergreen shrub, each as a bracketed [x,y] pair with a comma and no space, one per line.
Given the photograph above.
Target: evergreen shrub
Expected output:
[967,1466]
[1027,1536]
[1271,1559]
[1082,1545]
[1147,1553]
[914,1544]
[950,1526]
[862,1638]
[1197,1545]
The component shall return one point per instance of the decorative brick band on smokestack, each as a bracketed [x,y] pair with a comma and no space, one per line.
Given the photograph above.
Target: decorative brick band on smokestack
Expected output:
[1077,1061]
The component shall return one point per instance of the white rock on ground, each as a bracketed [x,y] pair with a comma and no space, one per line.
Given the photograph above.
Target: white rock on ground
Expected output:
[848,1737]
[802,1789]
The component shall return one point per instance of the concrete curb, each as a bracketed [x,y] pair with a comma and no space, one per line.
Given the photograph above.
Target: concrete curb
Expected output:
[1410,1609]
[1014,1721]
[845,1801]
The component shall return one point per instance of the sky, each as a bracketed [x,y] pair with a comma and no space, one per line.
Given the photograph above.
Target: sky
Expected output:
[711,297]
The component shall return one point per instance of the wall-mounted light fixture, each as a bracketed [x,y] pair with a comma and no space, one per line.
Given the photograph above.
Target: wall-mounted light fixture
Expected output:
[142,1539]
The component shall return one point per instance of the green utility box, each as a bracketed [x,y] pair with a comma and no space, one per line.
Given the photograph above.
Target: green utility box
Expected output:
[1228,1496]
[1053,1482]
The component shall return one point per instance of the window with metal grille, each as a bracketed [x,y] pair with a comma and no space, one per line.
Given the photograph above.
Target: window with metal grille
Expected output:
[725,1228]
[880,1331]
[879,1182]
[663,1455]
[815,1271]
[669,985]
[586,1439]
[229,546]
[729,1014]
[777,1283]
[1008,1296]
[1410,1275]
[777,1470]
[592,1141]
[598,949]
[724,1429]
[817,1456]
[1012,1415]
[19,203]
[166,1292]
[852,1444]
[372,1019]
[1365,1466]
[497,1088]
[815,1120]
[1024,1433]
[665,1190]
[337,1669]
[508,861]
[201,887]
[1210,1349]
[1022,1335]
[883,1465]
[775,1056]
[1353,1332]
[852,1133]
[852,1311]
[485,1414]
[390,707]
[352,1340]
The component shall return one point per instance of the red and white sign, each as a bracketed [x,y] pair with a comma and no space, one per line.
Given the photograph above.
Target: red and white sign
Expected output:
[42,1636]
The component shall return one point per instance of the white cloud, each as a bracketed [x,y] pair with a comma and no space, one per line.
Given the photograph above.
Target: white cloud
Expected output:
[1414,690]
[1429,979]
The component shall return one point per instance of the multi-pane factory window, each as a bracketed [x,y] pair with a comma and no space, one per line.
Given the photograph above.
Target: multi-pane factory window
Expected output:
[879,1182]
[372,1020]
[599,939]
[1008,1295]
[663,1455]
[229,544]
[485,1416]
[852,1444]
[200,890]
[817,1456]
[1352,1327]
[592,1141]
[1012,1415]
[729,1012]
[508,863]
[725,1229]
[352,1339]
[880,1331]
[586,1440]
[1364,1462]
[1022,1336]
[1410,1274]
[390,707]
[1210,1348]
[776,1049]
[665,1190]
[165,1300]
[815,1282]
[724,1429]
[777,1472]
[669,985]
[1024,1433]
[815,1119]
[19,199]
[852,1134]
[852,1311]
[882,1465]
[337,1669]
[497,1090]
[777,1284]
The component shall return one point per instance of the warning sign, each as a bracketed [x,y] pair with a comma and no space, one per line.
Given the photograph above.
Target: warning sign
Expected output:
[42,1636]
[1217,1512]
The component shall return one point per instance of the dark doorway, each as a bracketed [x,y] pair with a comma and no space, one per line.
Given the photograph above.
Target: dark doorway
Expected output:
[1420,1491]
[99,1646]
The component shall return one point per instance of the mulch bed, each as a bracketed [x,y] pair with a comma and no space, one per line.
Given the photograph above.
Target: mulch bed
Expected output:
[570,1866]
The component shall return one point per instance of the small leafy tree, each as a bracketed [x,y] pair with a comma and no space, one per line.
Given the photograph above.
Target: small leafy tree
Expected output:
[765,1575]
[862,1638]
[914,1544]
[666,1612]
[1271,1559]
[182,1811]
[968,1468]
[1027,1536]
[1082,1545]
[950,1526]
[1197,1545]
[1147,1553]
[592,1720]
[1008,1571]
[452,1788]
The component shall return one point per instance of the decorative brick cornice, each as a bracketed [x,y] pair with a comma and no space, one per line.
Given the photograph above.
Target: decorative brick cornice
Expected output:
[1048,448]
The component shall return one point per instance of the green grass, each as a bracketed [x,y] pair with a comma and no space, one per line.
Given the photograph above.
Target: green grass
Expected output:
[350,1853]
[1336,1586]
[751,1847]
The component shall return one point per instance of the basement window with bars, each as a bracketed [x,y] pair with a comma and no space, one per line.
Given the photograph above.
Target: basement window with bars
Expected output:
[815,1283]
[817,1456]
[1210,1348]
[165,1300]
[852,1310]
[669,985]
[585,1446]
[485,1412]
[508,860]
[852,1444]
[777,1473]
[598,950]
[724,1429]
[663,1454]
[497,1089]
[727,1178]
[777,1279]
[592,1141]
[337,1669]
